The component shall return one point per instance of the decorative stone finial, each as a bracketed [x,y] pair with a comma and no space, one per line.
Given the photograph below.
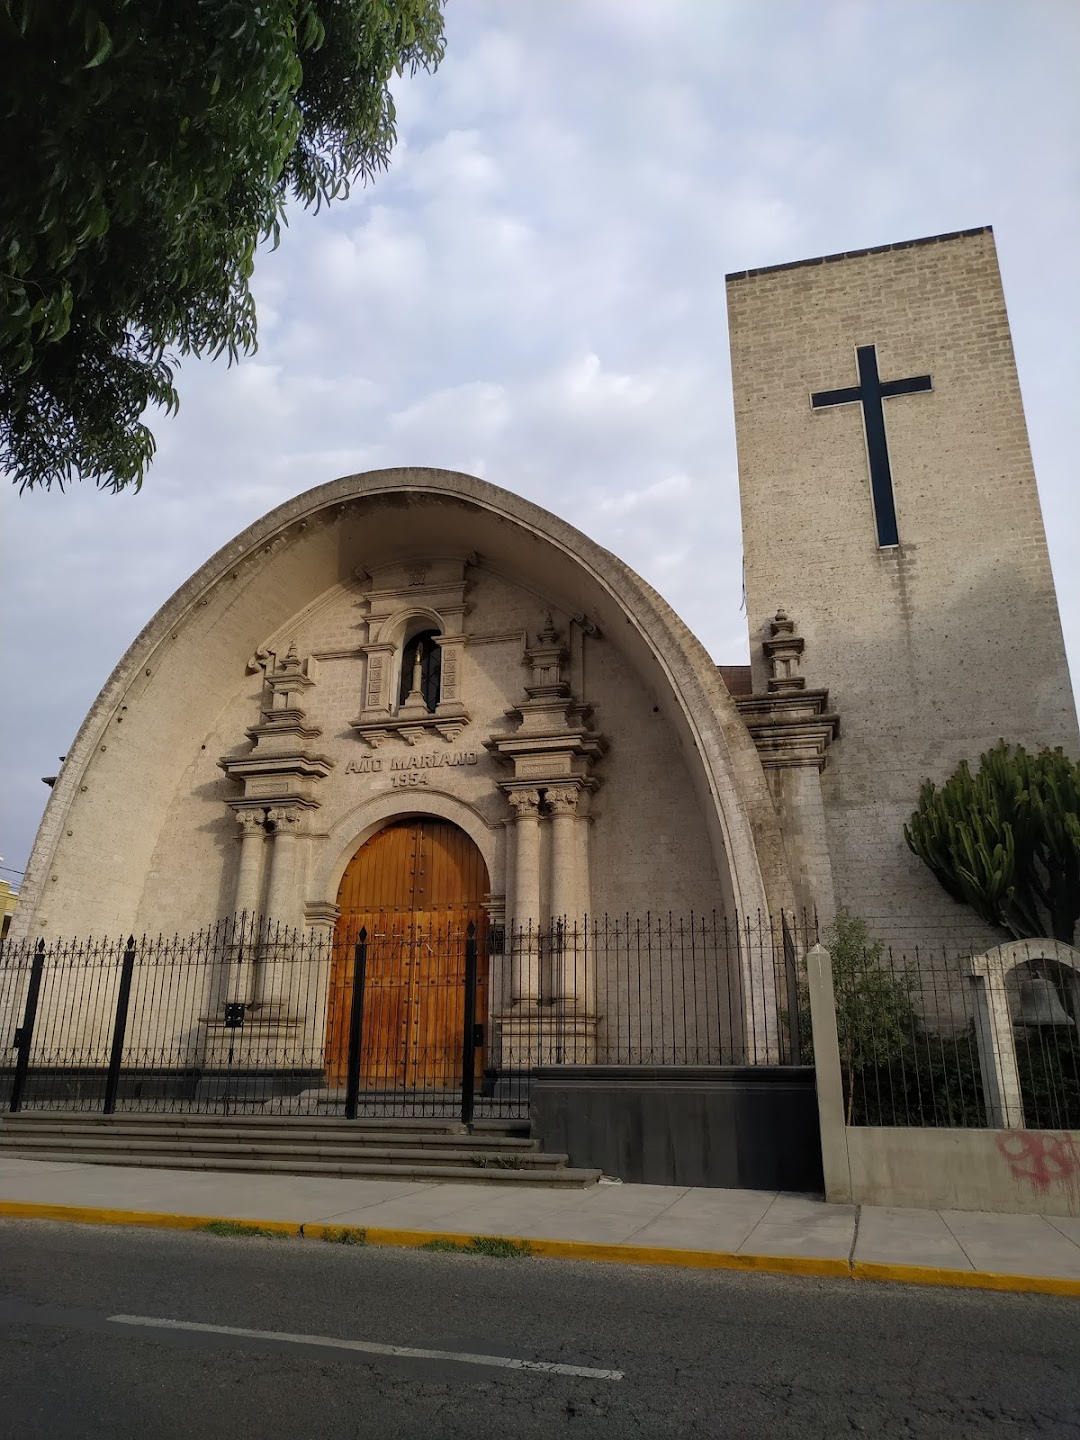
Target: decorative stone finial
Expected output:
[549,635]
[783,650]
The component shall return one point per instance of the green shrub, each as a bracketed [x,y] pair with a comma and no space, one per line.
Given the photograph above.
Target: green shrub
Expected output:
[1006,840]
[347,1235]
[897,1071]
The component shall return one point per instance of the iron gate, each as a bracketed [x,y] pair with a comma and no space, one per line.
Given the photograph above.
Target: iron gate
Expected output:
[404,1019]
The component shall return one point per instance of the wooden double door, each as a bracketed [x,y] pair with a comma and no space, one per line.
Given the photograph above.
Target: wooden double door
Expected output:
[416,887]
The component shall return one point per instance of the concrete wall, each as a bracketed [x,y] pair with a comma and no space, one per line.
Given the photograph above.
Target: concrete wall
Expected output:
[746,1127]
[931,650]
[1007,1171]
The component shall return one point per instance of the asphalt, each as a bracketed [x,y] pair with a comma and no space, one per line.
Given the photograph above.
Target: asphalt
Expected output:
[681,1353]
[664,1225]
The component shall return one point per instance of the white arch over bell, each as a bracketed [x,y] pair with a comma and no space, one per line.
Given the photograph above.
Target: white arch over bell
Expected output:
[988,975]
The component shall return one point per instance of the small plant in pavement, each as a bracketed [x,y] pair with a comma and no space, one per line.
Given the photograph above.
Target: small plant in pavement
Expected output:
[234,1227]
[496,1246]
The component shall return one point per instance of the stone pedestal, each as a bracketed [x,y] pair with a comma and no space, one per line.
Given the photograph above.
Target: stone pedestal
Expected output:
[267,1043]
[537,1035]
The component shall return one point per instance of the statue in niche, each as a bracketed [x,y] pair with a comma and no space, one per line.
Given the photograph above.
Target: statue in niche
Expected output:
[421,681]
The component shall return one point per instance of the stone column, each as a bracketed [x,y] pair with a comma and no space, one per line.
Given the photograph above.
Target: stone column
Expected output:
[996,1042]
[277,979]
[525,977]
[319,952]
[241,981]
[287,821]
[252,825]
[830,1080]
[566,892]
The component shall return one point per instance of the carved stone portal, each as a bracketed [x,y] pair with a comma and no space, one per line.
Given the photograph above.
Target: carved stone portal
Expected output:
[550,753]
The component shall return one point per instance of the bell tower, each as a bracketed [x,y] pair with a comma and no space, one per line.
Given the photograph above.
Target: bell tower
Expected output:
[889,508]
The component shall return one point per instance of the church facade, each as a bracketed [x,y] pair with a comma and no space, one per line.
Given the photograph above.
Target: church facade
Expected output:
[416,658]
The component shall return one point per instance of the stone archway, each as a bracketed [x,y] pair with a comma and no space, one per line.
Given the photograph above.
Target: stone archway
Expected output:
[989,974]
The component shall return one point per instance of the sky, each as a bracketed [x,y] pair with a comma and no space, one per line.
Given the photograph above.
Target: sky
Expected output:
[534,293]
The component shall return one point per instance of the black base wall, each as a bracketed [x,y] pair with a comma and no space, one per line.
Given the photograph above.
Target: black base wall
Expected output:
[740,1127]
[84,1088]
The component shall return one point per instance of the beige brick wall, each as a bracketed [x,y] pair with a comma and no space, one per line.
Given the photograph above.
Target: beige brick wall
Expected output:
[934,650]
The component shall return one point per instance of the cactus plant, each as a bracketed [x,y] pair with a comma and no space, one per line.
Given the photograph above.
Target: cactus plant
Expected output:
[1006,839]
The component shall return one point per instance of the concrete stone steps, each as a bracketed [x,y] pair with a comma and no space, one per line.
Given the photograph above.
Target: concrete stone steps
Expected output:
[329,1124]
[292,1149]
[91,1133]
[398,1170]
[380,1149]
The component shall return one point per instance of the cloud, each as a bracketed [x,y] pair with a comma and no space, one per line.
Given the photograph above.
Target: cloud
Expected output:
[534,292]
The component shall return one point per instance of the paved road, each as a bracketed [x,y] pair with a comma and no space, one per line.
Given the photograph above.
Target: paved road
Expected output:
[699,1354]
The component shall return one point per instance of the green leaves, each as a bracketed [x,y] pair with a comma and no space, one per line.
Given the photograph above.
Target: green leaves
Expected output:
[148,151]
[1006,841]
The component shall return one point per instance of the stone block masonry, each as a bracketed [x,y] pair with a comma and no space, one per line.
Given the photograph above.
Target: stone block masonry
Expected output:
[932,648]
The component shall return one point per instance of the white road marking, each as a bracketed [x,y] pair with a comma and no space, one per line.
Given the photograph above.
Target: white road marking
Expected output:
[372,1347]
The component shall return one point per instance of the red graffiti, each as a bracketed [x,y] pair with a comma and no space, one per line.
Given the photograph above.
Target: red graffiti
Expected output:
[1039,1158]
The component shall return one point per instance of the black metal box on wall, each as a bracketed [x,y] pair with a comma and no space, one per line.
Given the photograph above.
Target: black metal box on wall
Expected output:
[721,1126]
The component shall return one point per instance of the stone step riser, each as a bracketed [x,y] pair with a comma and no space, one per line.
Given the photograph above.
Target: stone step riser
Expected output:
[343,1155]
[31,1135]
[512,1129]
[490,1175]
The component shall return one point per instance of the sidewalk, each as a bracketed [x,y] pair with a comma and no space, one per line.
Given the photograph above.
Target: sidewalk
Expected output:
[635,1224]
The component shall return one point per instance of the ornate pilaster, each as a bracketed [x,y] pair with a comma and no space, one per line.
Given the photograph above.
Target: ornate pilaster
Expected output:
[567,911]
[277,985]
[453,656]
[287,823]
[792,728]
[281,767]
[525,924]
[279,773]
[252,826]
[550,753]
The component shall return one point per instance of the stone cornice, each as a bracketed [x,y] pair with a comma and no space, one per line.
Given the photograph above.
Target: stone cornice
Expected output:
[794,729]
[411,729]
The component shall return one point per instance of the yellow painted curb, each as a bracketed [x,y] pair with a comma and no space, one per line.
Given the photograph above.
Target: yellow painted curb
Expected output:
[964,1279]
[148,1219]
[805,1265]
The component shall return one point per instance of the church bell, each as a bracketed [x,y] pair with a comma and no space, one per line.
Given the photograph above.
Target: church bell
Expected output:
[1039,1003]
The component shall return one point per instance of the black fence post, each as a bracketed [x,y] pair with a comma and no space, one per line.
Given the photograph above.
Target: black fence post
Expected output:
[356,1026]
[469,1036]
[123,1000]
[24,1036]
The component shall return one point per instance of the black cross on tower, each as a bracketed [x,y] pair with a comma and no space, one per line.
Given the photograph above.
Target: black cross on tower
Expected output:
[870,392]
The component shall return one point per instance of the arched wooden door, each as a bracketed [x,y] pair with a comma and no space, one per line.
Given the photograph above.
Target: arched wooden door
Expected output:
[415,886]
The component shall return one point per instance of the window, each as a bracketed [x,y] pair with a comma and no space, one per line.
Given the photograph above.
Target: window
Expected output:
[423,654]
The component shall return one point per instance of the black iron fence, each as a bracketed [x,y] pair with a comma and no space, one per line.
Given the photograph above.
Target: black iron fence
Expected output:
[413,1015]
[956,1040]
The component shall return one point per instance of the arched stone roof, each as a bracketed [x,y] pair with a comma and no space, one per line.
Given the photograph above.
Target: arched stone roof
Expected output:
[98,836]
